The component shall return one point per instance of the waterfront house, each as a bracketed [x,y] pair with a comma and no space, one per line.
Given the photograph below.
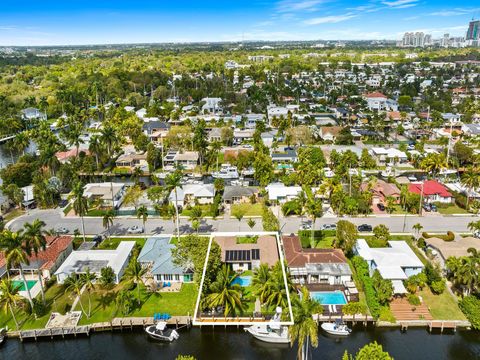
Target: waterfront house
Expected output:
[133,160]
[238,194]
[186,160]
[156,256]
[79,261]
[249,256]
[315,266]
[281,193]
[107,193]
[397,262]
[191,194]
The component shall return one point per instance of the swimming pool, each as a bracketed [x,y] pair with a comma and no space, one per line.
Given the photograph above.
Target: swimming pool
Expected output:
[21,286]
[329,297]
[243,280]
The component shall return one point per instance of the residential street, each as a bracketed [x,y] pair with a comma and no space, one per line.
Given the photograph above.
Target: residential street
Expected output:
[53,219]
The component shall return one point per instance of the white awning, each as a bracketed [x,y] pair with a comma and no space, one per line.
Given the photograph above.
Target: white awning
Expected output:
[398,287]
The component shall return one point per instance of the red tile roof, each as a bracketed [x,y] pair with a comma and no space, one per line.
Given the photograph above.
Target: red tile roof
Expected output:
[298,257]
[375,95]
[430,187]
[54,247]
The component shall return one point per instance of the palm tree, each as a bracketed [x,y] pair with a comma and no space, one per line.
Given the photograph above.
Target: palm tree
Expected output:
[9,297]
[314,209]
[21,141]
[471,180]
[417,227]
[134,274]
[142,213]
[224,292]
[74,284]
[73,134]
[239,213]
[109,138]
[88,280]
[95,147]
[195,216]
[34,234]
[108,220]
[136,173]
[474,226]
[80,204]
[16,254]
[277,292]
[172,183]
[304,329]
[251,223]
[261,282]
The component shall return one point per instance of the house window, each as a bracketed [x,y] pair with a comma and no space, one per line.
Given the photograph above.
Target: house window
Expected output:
[168,277]
[177,277]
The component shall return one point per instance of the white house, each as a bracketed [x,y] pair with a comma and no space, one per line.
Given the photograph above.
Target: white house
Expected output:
[388,155]
[376,101]
[281,193]
[211,105]
[276,111]
[105,192]
[189,194]
[397,262]
[79,261]
[186,160]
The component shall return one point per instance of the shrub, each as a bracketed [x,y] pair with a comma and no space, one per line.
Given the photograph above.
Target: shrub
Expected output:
[386,315]
[413,299]
[361,268]
[438,287]
[450,236]
[470,306]
[421,243]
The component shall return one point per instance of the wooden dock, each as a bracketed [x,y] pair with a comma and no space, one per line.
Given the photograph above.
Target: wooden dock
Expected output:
[131,323]
[443,325]
[53,332]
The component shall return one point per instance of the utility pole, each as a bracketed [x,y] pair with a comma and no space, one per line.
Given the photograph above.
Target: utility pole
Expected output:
[421,200]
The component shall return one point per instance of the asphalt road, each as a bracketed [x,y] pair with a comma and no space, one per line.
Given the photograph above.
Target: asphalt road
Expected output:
[54,219]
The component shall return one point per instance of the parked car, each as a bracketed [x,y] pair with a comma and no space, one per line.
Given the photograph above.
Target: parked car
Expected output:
[305,226]
[476,234]
[62,203]
[329,227]
[135,229]
[381,207]
[62,230]
[365,227]
[429,207]
[97,239]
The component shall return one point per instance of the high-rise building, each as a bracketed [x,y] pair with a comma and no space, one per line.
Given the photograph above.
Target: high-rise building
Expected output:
[418,39]
[473,33]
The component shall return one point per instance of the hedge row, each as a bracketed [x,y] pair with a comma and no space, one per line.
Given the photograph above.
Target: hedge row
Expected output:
[470,306]
[449,237]
[361,268]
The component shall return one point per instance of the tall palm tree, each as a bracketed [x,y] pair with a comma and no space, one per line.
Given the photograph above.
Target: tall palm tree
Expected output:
[72,134]
[474,226]
[172,183]
[304,329]
[471,180]
[261,282]
[109,138]
[9,297]
[224,292]
[107,220]
[21,141]
[16,254]
[142,213]
[134,274]
[195,216]
[80,204]
[314,209]
[74,284]
[95,148]
[277,292]
[88,280]
[417,227]
[136,173]
[34,234]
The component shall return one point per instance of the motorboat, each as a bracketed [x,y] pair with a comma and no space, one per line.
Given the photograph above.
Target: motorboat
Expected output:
[161,332]
[388,172]
[248,172]
[336,328]
[3,335]
[226,172]
[272,331]
[328,172]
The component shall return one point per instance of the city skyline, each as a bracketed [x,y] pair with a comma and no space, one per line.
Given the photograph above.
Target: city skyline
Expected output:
[108,22]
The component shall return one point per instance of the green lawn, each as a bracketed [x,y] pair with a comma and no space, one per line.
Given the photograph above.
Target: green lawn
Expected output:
[104,307]
[323,238]
[443,306]
[56,300]
[248,209]
[112,243]
[397,209]
[14,213]
[206,210]
[451,209]
[247,239]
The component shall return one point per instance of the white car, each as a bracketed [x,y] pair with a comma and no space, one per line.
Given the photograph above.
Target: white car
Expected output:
[305,226]
[62,230]
[135,229]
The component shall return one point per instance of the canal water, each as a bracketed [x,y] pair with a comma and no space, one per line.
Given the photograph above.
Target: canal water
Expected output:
[235,344]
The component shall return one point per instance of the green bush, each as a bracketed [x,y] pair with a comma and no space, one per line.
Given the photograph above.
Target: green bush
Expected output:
[421,243]
[438,287]
[450,236]
[413,299]
[470,306]
[361,268]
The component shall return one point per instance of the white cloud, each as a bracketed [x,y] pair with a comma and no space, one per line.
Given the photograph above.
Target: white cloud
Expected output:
[329,19]
[400,4]
[292,5]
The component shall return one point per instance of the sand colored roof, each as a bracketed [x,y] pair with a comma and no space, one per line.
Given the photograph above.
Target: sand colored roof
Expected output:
[298,257]
[454,248]
[267,245]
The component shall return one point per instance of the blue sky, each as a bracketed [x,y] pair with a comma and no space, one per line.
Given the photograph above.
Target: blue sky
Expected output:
[70,22]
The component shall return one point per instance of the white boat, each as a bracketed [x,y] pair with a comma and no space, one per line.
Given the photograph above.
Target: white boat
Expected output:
[226,172]
[161,332]
[336,328]
[248,172]
[328,173]
[388,172]
[271,332]
[3,335]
